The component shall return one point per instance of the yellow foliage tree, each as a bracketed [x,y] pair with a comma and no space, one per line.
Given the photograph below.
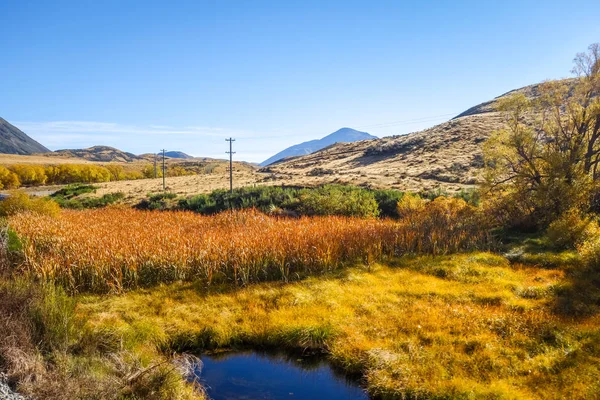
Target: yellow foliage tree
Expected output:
[30,174]
[116,172]
[8,179]
[545,161]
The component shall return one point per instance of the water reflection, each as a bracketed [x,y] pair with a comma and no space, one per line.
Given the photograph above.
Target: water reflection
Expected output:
[252,375]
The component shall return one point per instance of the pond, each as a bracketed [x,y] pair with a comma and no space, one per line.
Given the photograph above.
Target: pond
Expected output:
[253,375]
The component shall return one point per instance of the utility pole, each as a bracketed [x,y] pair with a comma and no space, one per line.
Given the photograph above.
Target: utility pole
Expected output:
[231,153]
[164,185]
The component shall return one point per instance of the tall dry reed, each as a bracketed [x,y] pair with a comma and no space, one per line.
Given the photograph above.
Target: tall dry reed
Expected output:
[111,250]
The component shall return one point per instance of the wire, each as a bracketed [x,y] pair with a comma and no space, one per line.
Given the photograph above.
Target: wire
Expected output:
[408,121]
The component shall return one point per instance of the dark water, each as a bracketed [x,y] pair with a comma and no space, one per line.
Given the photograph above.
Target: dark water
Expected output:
[250,375]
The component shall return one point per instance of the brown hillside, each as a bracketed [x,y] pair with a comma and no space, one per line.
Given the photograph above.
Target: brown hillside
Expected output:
[447,156]
[98,153]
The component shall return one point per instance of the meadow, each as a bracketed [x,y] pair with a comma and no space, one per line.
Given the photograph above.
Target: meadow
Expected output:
[414,307]
[469,326]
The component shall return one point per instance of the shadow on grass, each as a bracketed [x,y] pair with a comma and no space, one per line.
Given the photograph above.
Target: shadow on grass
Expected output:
[578,296]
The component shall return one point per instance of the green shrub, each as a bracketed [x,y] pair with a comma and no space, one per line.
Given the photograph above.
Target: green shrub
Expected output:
[158,201]
[338,200]
[105,200]
[326,200]
[471,196]
[387,201]
[73,190]
[264,198]
[68,197]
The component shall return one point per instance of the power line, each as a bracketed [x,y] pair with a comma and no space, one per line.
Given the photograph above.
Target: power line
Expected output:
[408,121]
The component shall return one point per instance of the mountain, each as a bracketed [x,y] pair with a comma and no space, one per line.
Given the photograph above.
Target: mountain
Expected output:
[447,156]
[98,153]
[344,135]
[177,154]
[15,141]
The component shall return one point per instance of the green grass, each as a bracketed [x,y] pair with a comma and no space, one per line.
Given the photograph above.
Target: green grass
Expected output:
[73,190]
[70,197]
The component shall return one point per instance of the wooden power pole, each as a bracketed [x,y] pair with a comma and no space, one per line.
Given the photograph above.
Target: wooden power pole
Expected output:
[231,153]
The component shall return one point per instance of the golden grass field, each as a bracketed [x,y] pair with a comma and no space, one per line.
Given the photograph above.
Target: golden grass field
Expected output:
[182,185]
[463,326]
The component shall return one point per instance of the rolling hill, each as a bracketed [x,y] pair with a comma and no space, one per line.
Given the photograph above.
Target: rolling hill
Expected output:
[447,156]
[15,141]
[98,153]
[177,154]
[343,135]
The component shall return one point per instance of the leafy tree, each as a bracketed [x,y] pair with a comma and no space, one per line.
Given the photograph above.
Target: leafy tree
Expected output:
[30,174]
[148,171]
[116,172]
[8,179]
[545,161]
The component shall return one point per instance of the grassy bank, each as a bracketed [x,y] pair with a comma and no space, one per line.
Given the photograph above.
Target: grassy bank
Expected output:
[462,326]
[48,353]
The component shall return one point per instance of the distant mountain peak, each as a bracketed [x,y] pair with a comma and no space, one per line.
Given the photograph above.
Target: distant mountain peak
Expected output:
[15,141]
[343,135]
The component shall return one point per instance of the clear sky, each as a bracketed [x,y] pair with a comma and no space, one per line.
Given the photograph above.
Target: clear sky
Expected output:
[184,75]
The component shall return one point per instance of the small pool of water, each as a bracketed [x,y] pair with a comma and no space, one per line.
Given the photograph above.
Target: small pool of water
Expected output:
[252,375]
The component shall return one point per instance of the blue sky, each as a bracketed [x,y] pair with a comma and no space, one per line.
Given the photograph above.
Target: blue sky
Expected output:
[147,75]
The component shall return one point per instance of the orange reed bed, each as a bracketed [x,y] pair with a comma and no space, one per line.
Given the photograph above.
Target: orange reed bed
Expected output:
[113,249]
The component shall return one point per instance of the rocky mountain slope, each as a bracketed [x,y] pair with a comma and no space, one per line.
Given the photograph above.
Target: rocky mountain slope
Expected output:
[340,136]
[447,156]
[15,141]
